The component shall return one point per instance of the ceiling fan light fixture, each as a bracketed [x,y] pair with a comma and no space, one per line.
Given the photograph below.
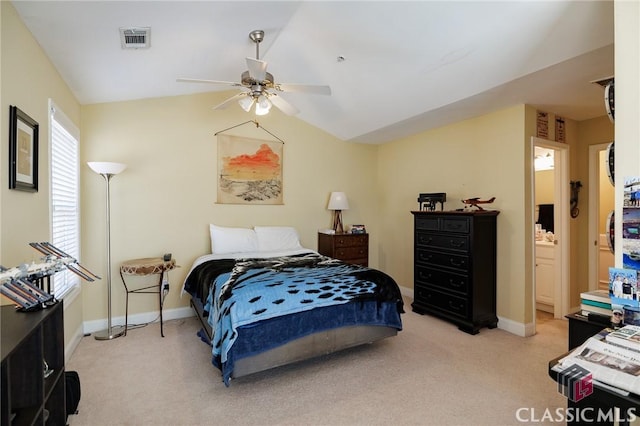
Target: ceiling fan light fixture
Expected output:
[259,88]
[264,102]
[246,103]
[263,105]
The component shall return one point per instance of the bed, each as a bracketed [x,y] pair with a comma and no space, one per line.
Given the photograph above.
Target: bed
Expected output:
[264,301]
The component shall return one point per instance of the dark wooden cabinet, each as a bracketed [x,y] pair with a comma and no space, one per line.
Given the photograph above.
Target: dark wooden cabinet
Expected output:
[455,267]
[33,387]
[351,248]
[581,328]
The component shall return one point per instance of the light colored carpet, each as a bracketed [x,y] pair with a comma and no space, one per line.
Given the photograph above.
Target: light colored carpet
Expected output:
[430,374]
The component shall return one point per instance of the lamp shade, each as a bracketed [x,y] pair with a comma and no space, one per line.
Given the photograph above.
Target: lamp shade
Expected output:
[246,103]
[338,201]
[106,168]
[263,105]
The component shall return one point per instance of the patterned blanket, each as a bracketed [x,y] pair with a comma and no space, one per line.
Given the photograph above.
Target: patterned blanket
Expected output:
[247,291]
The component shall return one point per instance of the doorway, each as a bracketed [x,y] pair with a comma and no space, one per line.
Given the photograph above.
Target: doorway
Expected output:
[551,250]
[601,203]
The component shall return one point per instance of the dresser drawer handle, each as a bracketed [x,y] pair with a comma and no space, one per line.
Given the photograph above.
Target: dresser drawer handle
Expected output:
[454,306]
[426,240]
[455,263]
[456,244]
[426,276]
[455,284]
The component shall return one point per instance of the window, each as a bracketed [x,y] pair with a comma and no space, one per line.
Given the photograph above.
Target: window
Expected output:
[65,202]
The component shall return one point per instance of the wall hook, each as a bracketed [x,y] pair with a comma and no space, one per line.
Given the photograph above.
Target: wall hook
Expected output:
[575,189]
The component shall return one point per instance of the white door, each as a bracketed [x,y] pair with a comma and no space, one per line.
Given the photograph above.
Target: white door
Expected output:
[559,270]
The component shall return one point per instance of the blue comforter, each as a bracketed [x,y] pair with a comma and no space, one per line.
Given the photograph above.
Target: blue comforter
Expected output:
[247,292]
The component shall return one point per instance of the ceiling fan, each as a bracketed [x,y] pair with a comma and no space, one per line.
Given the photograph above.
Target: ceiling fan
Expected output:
[259,88]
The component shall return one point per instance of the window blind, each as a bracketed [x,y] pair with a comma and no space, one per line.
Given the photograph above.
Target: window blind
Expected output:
[65,203]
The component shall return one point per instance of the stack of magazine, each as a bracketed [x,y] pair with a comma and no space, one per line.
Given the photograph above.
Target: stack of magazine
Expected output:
[612,357]
[596,302]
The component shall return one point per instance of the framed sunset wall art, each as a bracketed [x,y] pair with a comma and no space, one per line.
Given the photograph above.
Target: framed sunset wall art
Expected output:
[249,171]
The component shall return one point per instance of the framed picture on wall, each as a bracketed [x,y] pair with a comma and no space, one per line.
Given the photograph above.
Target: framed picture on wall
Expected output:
[249,171]
[23,151]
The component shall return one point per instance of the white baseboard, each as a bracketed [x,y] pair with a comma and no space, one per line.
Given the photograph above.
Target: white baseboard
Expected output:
[71,346]
[405,291]
[142,318]
[517,328]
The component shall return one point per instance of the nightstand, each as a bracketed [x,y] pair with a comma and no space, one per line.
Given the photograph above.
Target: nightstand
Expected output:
[350,248]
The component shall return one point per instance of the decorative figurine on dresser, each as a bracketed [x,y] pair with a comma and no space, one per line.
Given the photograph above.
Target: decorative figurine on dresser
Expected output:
[455,267]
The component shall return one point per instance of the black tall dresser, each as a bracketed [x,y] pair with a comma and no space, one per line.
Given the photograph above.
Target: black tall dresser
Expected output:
[455,267]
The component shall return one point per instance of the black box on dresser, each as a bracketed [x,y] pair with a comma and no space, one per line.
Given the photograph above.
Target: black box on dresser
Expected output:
[455,267]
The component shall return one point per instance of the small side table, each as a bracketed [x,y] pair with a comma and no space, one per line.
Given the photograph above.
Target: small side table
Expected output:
[350,248]
[144,267]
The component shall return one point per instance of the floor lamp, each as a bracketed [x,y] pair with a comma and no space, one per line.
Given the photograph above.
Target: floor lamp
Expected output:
[107,171]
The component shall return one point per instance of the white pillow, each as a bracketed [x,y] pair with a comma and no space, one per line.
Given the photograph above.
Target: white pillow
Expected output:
[273,238]
[232,240]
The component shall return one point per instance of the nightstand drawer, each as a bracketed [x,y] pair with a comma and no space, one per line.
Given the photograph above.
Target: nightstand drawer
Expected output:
[351,252]
[351,248]
[351,240]
[447,281]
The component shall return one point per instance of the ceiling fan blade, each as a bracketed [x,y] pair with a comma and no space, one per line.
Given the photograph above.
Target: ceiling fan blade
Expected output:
[257,69]
[198,80]
[303,88]
[229,101]
[283,105]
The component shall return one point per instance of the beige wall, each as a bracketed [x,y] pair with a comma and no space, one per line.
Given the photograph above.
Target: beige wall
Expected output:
[590,132]
[544,187]
[28,80]
[166,199]
[627,128]
[461,160]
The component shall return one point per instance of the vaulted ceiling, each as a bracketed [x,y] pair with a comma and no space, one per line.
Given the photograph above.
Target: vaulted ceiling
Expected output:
[408,66]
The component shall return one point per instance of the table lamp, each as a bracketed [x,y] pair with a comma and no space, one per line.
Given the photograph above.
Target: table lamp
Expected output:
[337,203]
[107,171]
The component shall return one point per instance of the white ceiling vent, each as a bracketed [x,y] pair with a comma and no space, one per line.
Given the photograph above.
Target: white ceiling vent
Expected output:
[135,37]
